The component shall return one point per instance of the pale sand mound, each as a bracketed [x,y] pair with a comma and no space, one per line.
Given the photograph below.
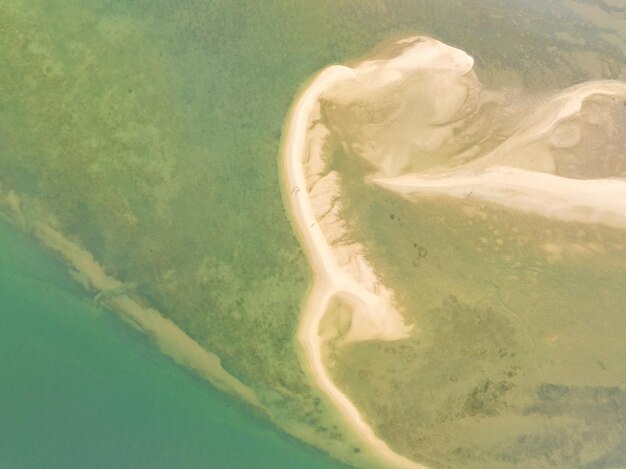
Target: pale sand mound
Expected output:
[427,126]
[587,201]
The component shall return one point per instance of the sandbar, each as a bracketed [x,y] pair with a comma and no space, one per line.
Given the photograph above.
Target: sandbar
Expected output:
[337,270]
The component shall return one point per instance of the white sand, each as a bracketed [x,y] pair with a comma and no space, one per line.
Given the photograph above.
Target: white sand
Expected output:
[518,173]
[338,269]
[587,201]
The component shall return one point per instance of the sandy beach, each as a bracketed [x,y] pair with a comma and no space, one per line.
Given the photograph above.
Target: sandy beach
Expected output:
[331,276]
[576,200]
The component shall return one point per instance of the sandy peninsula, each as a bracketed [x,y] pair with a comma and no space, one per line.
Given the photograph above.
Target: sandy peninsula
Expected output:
[506,175]
[340,269]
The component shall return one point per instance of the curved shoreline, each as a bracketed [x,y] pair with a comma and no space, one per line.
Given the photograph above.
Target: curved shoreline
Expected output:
[328,278]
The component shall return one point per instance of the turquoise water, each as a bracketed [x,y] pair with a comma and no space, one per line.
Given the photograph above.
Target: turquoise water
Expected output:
[79,388]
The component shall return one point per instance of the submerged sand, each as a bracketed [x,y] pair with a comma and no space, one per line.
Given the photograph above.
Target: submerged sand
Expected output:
[521,172]
[170,339]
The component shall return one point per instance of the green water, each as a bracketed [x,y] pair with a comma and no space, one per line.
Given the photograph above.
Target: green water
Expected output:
[79,388]
[149,131]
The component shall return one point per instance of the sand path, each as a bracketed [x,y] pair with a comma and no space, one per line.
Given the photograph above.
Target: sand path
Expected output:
[329,278]
[500,176]
[600,201]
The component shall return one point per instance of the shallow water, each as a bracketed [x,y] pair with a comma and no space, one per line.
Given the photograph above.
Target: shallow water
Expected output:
[514,358]
[149,132]
[81,388]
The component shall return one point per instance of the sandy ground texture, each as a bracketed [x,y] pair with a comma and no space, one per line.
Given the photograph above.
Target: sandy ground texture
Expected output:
[522,172]
[413,118]
[339,267]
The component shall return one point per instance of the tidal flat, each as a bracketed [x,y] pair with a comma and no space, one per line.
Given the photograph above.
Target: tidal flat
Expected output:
[468,303]
[148,134]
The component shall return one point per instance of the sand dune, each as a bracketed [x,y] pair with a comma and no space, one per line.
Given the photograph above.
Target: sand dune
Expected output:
[579,200]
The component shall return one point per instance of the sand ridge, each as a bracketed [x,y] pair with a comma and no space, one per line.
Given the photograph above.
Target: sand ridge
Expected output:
[600,201]
[339,268]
